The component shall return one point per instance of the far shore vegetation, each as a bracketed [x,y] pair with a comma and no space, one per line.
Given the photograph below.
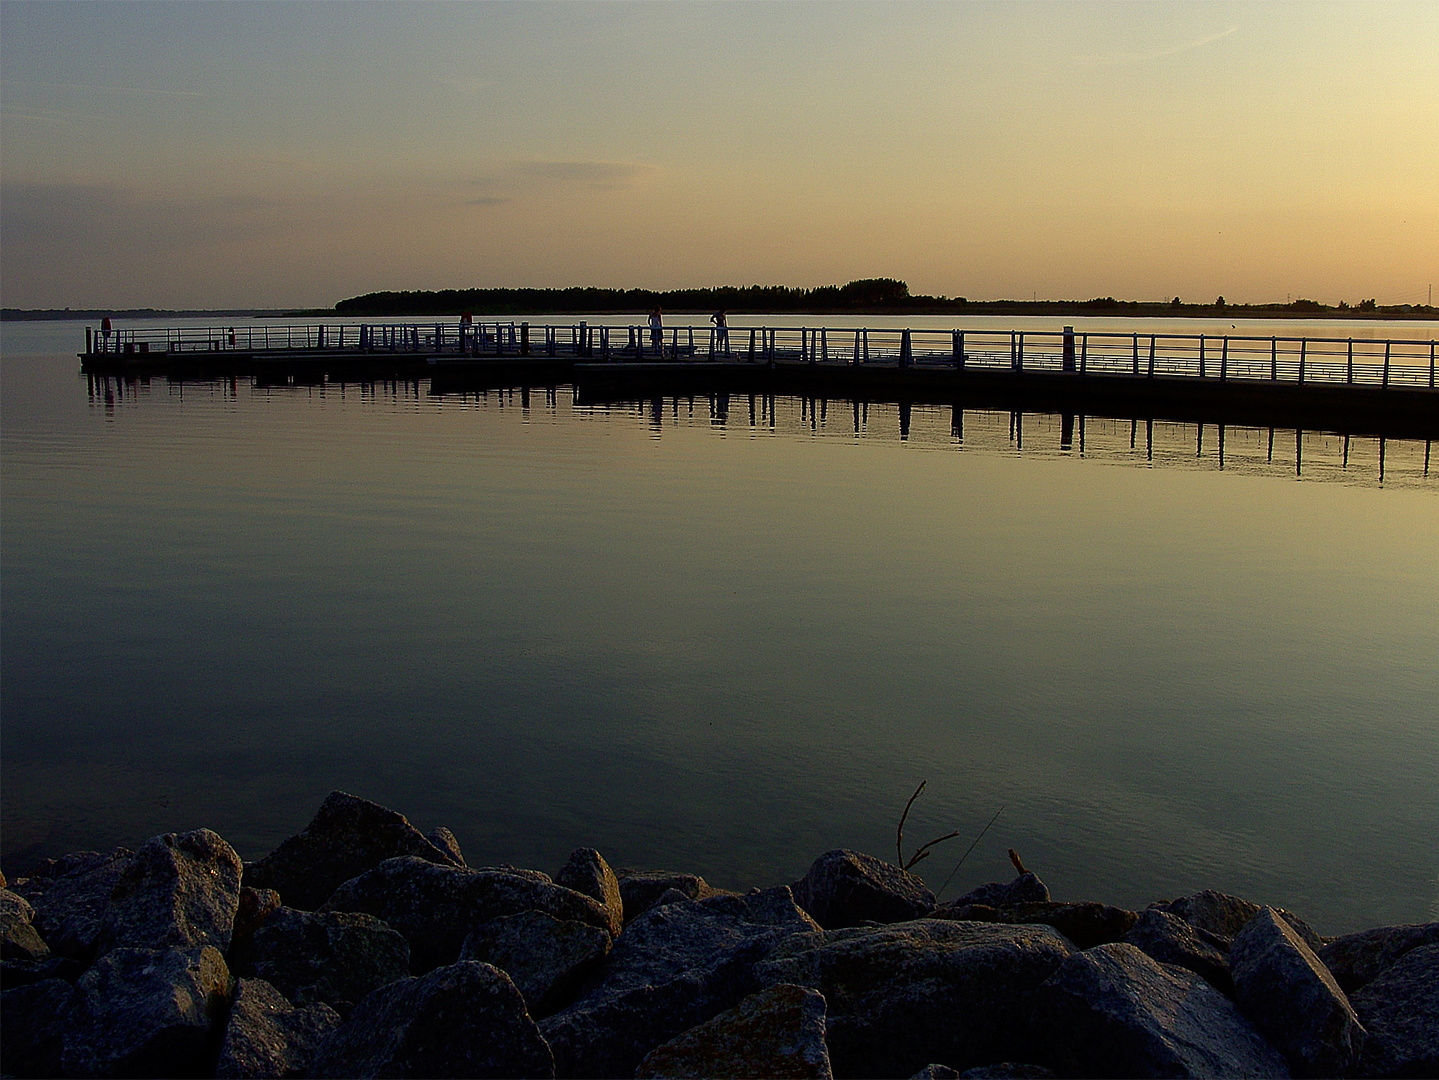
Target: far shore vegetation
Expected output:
[870,296]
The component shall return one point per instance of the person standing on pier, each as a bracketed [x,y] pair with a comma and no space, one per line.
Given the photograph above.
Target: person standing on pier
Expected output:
[721,331]
[657,333]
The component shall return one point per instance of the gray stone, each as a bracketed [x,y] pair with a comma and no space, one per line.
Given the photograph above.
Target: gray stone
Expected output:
[347,837]
[1086,924]
[777,1032]
[19,940]
[435,907]
[1356,958]
[70,896]
[466,1019]
[33,1020]
[445,840]
[1400,1011]
[1225,916]
[1025,889]
[266,1036]
[147,1012]
[1005,1070]
[640,889]
[256,905]
[181,890]
[846,888]
[674,966]
[545,957]
[1113,1011]
[587,872]
[336,957]
[1289,994]
[928,990]
[935,1071]
[15,973]
[1165,937]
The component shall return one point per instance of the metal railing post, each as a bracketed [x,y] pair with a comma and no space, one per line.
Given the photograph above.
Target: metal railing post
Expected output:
[1349,365]
[1224,362]
[1386,364]
[1151,357]
[1274,359]
[1303,350]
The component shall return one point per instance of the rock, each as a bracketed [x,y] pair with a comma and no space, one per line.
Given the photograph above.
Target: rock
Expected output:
[33,1020]
[466,1019]
[256,905]
[1288,993]
[347,837]
[674,966]
[70,896]
[545,957]
[1400,1011]
[1006,1070]
[15,973]
[19,939]
[445,840]
[640,889]
[935,1071]
[847,888]
[181,890]
[777,1032]
[1356,958]
[266,1036]
[587,872]
[1025,889]
[147,1012]
[922,991]
[1085,924]
[435,907]
[334,957]
[1113,1011]
[1225,916]
[1165,937]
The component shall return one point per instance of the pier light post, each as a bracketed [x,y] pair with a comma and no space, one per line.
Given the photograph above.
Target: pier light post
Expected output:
[1069,364]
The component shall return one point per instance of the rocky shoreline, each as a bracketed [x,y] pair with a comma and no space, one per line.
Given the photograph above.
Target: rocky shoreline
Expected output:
[363,947]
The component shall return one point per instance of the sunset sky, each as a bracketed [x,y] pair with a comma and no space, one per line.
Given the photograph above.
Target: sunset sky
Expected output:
[266,154]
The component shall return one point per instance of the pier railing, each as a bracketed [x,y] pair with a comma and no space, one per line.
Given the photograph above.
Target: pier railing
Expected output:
[1356,361]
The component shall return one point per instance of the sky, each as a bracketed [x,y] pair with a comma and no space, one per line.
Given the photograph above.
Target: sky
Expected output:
[292,155]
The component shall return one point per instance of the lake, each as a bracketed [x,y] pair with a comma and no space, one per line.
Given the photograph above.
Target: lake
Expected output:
[724,640]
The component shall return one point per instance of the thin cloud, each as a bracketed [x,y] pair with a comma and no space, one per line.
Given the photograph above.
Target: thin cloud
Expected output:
[599,175]
[103,89]
[1120,59]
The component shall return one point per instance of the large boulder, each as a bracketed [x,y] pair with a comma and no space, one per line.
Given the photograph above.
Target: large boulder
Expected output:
[1025,889]
[641,890]
[1086,924]
[148,1012]
[267,1036]
[1288,993]
[675,966]
[347,837]
[335,957]
[70,896]
[1354,959]
[1400,1011]
[19,940]
[1113,1011]
[33,1022]
[445,840]
[777,1032]
[1224,916]
[181,890]
[928,990]
[1168,939]
[587,872]
[545,957]
[466,1019]
[846,888]
[435,907]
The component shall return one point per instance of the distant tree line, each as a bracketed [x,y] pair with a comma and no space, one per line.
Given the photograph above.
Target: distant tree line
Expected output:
[868,296]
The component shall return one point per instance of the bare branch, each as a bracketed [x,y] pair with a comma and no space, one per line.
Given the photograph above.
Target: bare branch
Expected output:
[923,853]
[899,835]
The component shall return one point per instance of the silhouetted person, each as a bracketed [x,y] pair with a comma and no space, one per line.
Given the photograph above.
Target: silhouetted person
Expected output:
[721,331]
[657,333]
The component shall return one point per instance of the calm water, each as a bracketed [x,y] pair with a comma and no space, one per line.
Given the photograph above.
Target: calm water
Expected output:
[705,643]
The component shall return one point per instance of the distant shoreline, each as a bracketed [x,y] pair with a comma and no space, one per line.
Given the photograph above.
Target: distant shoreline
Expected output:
[917,306]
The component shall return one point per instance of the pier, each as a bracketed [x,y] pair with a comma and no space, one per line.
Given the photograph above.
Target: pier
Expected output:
[1384,387]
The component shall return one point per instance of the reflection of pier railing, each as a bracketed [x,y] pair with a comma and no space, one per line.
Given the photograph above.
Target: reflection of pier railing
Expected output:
[1298,360]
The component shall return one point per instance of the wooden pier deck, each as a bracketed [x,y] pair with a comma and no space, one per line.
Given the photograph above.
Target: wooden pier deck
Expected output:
[1358,386]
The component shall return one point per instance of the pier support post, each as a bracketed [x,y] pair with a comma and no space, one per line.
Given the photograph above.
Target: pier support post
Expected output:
[906,350]
[1349,365]
[524,339]
[751,345]
[1224,362]
[1068,363]
[957,348]
[1273,359]
[1386,365]
[1201,356]
[1303,349]
[89,344]
[1151,357]
[1083,370]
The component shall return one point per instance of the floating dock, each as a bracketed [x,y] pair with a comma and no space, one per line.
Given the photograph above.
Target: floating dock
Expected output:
[1359,386]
